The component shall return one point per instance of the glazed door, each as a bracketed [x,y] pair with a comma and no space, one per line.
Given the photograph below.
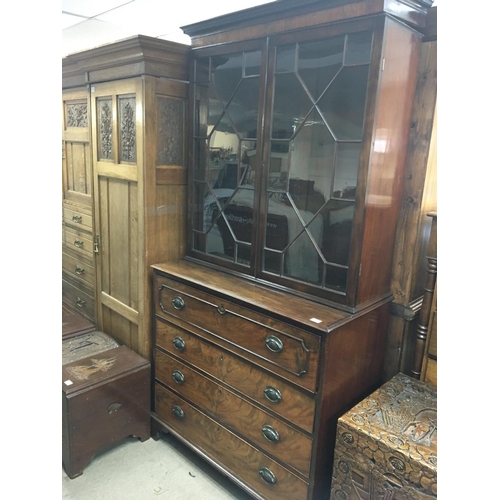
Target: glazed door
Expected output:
[117,151]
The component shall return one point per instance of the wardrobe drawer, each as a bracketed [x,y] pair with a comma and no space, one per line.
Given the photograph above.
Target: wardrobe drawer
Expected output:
[78,241]
[255,425]
[79,298]
[292,351]
[248,379]
[78,268]
[78,219]
[248,464]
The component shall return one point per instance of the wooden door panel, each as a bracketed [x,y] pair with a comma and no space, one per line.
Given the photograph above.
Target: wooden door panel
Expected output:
[76,151]
[118,178]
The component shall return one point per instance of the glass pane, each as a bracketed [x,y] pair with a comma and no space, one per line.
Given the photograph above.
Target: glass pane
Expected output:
[358,48]
[346,170]
[226,74]
[336,278]
[302,260]
[243,108]
[204,205]
[248,155]
[337,229]
[311,164]
[319,62]
[252,63]
[285,58]
[273,262]
[279,166]
[291,105]
[201,111]
[215,108]
[199,241]
[343,104]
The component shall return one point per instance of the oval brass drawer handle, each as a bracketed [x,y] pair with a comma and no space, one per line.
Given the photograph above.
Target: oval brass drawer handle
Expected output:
[270,433]
[178,412]
[221,309]
[267,475]
[272,394]
[77,218]
[79,270]
[274,344]
[178,377]
[78,243]
[178,303]
[179,343]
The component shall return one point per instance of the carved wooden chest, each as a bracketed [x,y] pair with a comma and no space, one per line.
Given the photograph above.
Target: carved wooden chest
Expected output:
[105,398]
[387,445]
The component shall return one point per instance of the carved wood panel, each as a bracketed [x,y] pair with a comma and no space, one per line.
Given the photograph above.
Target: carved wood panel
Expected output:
[170,131]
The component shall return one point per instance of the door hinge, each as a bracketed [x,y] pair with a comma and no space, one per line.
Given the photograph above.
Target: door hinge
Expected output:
[96,244]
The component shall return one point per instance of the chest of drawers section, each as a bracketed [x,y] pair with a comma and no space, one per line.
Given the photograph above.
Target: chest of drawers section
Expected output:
[78,280]
[255,394]
[238,385]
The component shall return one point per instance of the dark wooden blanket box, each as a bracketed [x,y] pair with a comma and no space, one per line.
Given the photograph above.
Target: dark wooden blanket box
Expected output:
[105,398]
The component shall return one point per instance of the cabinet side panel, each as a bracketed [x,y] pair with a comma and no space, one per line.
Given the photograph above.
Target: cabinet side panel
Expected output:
[389,145]
[352,368]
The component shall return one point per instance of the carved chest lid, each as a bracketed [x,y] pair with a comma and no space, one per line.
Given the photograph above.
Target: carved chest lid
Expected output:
[400,419]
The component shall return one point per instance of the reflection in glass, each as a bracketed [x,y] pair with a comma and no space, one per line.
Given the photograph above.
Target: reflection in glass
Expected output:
[358,48]
[317,127]
[285,58]
[343,104]
[226,74]
[252,63]
[226,162]
[346,170]
[319,62]
[291,105]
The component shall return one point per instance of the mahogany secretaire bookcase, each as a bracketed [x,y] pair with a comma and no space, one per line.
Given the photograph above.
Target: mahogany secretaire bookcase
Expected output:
[274,322]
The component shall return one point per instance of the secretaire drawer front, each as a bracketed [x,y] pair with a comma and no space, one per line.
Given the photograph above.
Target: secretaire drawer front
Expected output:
[78,268]
[248,464]
[276,437]
[256,384]
[294,352]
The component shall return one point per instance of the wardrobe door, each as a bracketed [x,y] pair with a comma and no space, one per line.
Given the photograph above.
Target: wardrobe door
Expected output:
[117,152]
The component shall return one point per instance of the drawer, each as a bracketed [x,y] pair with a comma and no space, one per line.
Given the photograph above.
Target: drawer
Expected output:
[291,352]
[248,379]
[78,219]
[272,435]
[78,297]
[78,241]
[235,455]
[78,268]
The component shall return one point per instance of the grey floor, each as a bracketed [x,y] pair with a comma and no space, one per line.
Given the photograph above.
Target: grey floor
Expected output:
[163,469]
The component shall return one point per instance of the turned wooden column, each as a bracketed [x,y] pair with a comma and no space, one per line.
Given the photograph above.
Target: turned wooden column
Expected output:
[425,313]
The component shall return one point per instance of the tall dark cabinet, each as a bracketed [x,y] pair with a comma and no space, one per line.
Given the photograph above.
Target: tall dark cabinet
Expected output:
[274,322]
